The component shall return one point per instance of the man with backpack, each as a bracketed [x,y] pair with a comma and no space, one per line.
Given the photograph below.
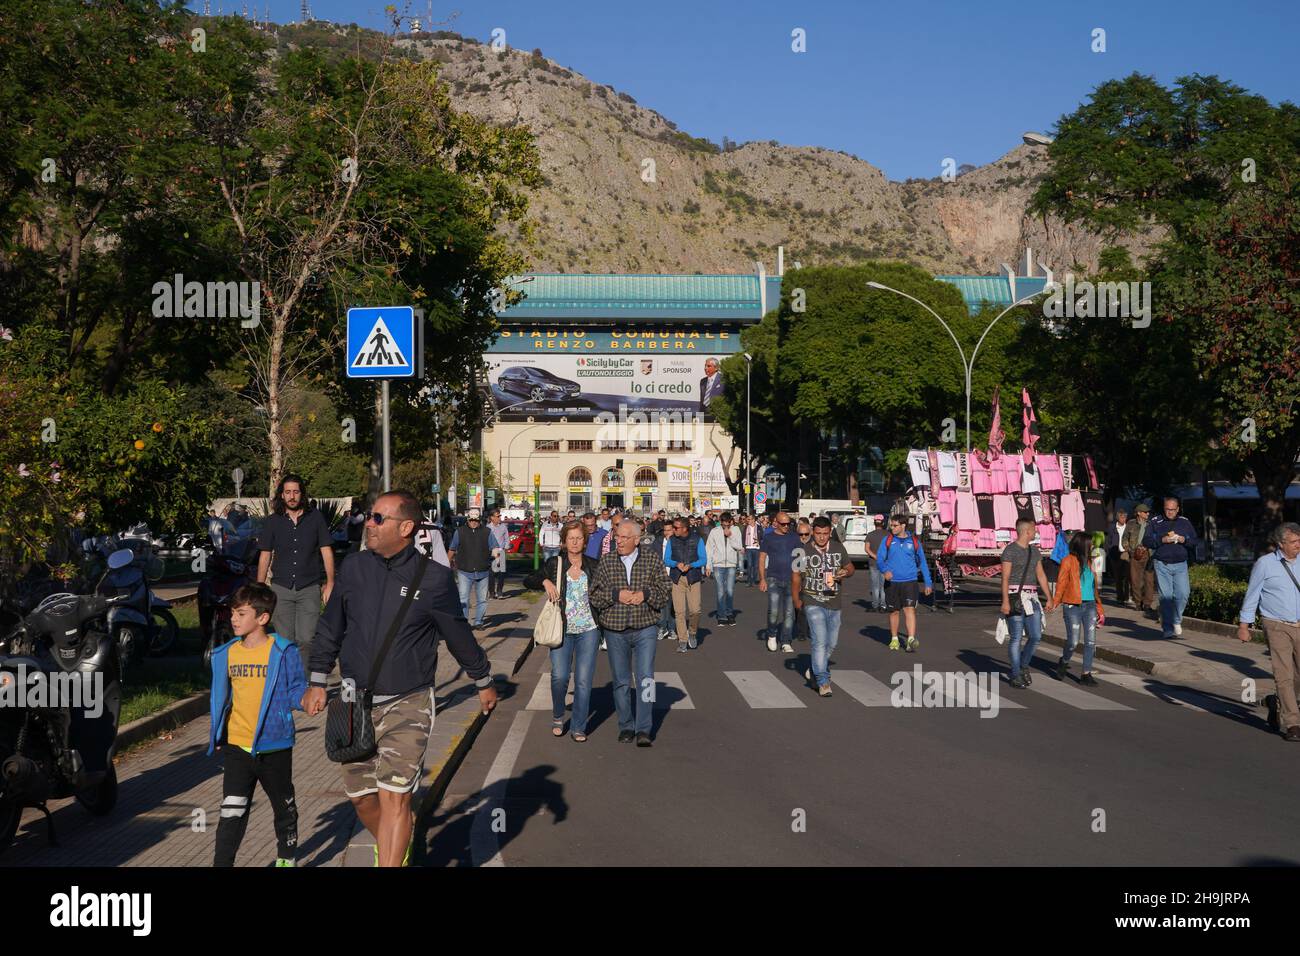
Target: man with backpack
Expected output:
[902,561]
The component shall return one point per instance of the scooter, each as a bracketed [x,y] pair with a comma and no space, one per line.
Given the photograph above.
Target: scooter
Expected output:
[228,571]
[142,624]
[60,742]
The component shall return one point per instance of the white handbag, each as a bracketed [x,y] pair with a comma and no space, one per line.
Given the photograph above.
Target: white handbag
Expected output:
[549,629]
[1002,632]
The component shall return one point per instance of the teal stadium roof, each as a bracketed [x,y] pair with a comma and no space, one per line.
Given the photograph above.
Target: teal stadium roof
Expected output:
[596,299]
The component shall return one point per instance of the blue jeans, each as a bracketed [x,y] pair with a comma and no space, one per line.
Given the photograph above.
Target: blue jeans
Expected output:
[824,630]
[1080,617]
[751,566]
[1174,588]
[1017,625]
[478,581]
[666,617]
[778,594]
[629,649]
[726,578]
[877,588]
[548,553]
[582,646]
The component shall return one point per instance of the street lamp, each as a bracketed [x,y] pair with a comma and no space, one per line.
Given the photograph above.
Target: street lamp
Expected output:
[749,462]
[966,366]
[487,423]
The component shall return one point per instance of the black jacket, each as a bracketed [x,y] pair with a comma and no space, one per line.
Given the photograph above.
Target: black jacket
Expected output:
[547,572]
[367,593]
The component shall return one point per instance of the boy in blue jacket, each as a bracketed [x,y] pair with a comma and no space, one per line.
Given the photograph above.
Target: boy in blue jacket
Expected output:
[257,683]
[902,560]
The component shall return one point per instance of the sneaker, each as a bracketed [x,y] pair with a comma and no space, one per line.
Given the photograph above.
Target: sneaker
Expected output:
[1168,634]
[692,643]
[663,635]
[893,644]
[1062,668]
[912,645]
[787,648]
[1292,735]
[683,647]
[626,736]
[771,644]
[807,675]
[1018,682]
[604,645]
[281,861]
[1087,680]
[1029,678]
[643,740]
[824,690]
[1178,630]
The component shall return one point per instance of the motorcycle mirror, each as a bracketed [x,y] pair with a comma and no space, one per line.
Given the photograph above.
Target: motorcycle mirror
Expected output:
[120,558]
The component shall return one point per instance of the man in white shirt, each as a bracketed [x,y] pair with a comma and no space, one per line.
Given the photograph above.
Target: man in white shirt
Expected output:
[1118,555]
[550,537]
[723,551]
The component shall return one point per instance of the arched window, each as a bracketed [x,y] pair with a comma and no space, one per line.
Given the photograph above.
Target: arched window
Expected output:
[580,477]
[612,478]
[646,477]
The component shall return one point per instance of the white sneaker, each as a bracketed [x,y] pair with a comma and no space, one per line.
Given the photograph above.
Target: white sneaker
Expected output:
[603,645]
[771,643]
[1178,630]
[787,648]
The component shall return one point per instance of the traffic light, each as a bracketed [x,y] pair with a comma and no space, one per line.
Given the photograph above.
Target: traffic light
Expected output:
[537,479]
[663,466]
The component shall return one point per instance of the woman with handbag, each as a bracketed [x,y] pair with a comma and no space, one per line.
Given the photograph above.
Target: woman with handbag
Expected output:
[1078,589]
[567,578]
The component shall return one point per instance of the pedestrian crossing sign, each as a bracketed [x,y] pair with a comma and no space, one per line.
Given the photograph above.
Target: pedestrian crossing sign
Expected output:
[382,342]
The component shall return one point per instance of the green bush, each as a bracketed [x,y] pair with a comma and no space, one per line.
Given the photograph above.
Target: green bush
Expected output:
[1217,592]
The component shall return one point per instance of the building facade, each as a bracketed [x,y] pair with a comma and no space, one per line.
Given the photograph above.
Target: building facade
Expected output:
[600,385]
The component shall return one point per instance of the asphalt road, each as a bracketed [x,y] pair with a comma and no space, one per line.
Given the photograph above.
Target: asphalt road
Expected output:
[750,767]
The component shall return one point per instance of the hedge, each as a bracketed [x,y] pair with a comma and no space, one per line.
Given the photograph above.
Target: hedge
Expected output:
[1217,592]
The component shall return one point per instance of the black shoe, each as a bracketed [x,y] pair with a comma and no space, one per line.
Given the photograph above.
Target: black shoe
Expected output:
[1062,668]
[626,736]
[1274,722]
[1028,677]
[1292,735]
[1018,682]
[1087,680]
[643,740]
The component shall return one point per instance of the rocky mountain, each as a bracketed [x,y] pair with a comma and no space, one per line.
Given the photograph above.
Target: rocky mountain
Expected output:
[626,191]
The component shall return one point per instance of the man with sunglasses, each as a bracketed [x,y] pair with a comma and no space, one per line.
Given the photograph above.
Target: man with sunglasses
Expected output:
[372,586]
[471,556]
[774,578]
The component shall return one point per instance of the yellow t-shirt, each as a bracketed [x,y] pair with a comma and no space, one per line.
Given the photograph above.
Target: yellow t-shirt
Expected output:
[247,671]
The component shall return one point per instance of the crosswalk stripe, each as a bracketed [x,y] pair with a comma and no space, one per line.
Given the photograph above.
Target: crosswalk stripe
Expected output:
[1181,696]
[671,680]
[862,687]
[763,690]
[670,692]
[1004,702]
[971,692]
[1073,696]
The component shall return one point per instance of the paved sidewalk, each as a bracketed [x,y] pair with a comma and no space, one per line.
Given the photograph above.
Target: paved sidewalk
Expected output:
[1197,659]
[170,792]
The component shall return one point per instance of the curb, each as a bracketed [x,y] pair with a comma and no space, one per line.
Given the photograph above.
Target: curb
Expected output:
[169,718]
[430,795]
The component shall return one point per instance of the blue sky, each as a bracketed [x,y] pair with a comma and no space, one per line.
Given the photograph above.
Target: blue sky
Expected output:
[900,85]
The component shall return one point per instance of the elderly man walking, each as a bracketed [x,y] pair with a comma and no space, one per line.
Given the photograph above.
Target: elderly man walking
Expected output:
[1171,539]
[628,593]
[1274,594]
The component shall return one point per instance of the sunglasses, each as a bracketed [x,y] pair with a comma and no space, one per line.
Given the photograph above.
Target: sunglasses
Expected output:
[379,519]
[782,524]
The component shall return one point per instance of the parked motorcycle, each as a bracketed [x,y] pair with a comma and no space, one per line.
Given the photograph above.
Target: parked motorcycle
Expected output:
[229,569]
[142,624]
[52,748]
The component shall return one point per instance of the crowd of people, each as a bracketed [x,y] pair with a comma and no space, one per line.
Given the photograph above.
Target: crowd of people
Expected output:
[624,584]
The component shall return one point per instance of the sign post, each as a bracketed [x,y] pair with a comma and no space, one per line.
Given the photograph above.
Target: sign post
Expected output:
[383,343]
[537,520]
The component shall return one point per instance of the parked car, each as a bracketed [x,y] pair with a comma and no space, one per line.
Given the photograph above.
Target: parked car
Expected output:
[521,537]
[537,383]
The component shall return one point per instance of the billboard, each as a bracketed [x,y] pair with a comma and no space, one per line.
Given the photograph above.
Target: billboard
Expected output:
[582,387]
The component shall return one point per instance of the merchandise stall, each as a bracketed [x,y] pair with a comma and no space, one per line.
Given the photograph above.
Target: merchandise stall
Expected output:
[964,506]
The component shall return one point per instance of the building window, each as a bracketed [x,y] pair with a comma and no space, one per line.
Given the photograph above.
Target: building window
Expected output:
[550,500]
[580,444]
[647,446]
[580,478]
[679,498]
[613,446]
[546,444]
[645,478]
[684,445]
[611,478]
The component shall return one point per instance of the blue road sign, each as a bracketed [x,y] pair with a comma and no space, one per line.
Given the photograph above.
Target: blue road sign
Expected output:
[381,342]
